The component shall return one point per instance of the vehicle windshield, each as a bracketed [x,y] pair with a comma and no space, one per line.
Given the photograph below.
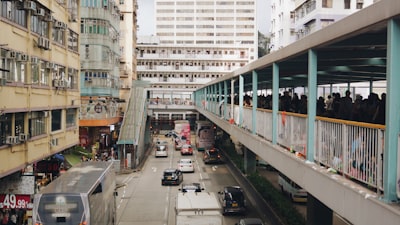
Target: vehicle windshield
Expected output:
[161,148]
[185,162]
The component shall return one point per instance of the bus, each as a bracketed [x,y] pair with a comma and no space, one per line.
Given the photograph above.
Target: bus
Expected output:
[205,137]
[84,195]
[182,128]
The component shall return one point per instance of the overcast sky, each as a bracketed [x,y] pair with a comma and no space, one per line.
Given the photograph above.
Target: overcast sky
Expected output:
[146,18]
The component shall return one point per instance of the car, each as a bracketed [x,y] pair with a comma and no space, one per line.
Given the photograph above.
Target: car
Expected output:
[250,221]
[172,134]
[212,156]
[161,151]
[172,176]
[191,187]
[186,165]
[232,200]
[295,192]
[186,149]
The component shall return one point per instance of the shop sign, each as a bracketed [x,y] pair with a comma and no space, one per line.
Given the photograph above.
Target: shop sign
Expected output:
[12,201]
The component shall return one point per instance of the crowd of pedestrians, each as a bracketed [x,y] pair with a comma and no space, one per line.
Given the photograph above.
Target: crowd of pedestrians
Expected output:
[368,110]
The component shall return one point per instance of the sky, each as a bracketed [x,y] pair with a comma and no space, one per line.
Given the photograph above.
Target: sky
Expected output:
[146,18]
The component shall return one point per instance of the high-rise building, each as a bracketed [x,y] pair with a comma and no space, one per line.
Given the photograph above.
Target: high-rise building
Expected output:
[292,20]
[196,41]
[100,73]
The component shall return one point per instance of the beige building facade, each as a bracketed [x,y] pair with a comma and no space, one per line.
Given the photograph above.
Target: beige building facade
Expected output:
[39,81]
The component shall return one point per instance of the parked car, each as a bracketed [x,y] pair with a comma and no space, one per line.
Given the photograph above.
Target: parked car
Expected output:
[250,221]
[161,151]
[212,156]
[186,149]
[295,192]
[232,200]
[191,187]
[186,165]
[172,177]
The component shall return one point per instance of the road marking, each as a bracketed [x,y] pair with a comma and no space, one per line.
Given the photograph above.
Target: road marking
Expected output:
[214,168]
[154,169]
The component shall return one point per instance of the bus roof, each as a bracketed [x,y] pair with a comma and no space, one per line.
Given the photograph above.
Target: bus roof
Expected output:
[81,178]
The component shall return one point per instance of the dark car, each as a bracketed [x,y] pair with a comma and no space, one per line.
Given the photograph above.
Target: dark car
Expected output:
[212,156]
[250,221]
[191,187]
[171,134]
[172,177]
[232,200]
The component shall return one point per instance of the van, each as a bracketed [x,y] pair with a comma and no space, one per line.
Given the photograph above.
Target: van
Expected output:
[295,192]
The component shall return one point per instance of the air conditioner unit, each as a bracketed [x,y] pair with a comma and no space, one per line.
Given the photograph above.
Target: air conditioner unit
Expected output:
[48,18]
[56,83]
[34,60]
[60,25]
[30,5]
[11,55]
[43,43]
[23,137]
[53,142]
[62,84]
[22,57]
[39,12]
[50,65]
[12,140]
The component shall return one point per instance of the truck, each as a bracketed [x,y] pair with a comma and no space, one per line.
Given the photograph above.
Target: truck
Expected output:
[198,208]
[205,137]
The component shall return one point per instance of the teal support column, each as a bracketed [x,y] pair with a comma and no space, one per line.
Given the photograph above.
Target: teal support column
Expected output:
[255,100]
[392,120]
[275,101]
[219,106]
[225,99]
[241,87]
[212,100]
[206,98]
[232,116]
[312,102]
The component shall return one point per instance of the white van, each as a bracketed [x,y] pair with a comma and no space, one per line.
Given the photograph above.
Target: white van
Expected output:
[296,193]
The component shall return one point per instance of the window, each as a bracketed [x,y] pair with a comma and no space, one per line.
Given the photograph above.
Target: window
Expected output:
[73,41]
[19,124]
[326,3]
[347,4]
[56,120]
[71,118]
[37,123]
[5,127]
[9,10]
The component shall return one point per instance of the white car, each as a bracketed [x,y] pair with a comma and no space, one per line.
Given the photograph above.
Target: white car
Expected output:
[186,165]
[161,151]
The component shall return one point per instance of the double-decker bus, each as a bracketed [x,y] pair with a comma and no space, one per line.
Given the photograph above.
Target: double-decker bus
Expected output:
[205,135]
[84,195]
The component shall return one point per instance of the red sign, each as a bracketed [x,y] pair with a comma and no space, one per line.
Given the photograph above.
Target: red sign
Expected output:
[11,201]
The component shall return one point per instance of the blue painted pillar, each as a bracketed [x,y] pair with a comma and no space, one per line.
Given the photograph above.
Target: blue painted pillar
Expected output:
[213,98]
[255,101]
[206,98]
[241,88]
[312,102]
[390,156]
[232,116]
[225,99]
[275,102]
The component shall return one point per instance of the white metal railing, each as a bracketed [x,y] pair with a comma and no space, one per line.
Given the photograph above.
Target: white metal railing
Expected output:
[353,149]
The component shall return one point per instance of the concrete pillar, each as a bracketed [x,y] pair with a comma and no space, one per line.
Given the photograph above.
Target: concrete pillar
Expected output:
[249,161]
[317,212]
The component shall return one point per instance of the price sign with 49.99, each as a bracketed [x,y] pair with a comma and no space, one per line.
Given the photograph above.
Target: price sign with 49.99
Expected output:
[12,201]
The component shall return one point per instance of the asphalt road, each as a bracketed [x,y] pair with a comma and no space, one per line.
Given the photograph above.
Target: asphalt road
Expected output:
[142,200]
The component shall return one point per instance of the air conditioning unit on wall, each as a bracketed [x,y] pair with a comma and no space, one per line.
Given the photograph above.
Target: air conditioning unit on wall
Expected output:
[12,140]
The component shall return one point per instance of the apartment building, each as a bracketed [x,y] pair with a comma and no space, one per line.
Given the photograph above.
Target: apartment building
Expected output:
[292,20]
[39,91]
[100,113]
